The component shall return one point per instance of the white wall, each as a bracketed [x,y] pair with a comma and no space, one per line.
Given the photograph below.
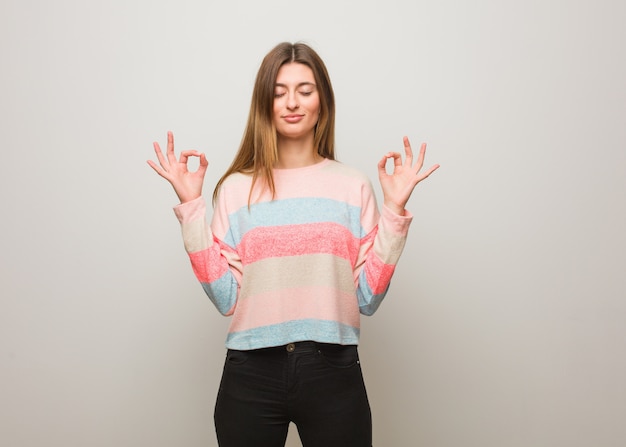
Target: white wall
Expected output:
[505,322]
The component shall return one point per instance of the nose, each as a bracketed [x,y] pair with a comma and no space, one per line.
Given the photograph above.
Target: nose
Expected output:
[292,102]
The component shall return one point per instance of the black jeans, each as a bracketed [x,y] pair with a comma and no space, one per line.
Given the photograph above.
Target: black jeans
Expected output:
[319,387]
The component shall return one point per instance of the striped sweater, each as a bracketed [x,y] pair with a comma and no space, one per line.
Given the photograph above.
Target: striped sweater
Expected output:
[302,266]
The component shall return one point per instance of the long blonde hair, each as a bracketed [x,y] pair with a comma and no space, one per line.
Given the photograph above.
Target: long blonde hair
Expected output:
[258,152]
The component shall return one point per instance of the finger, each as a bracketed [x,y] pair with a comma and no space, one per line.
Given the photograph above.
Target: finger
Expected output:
[382,165]
[397,158]
[204,163]
[159,155]
[183,159]
[153,165]
[184,156]
[170,147]
[427,173]
[420,157]
[407,150]
[191,153]
[157,169]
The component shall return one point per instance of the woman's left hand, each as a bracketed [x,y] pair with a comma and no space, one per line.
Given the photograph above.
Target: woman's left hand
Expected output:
[398,186]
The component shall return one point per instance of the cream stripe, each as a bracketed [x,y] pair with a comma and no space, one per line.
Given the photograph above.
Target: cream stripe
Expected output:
[296,272]
[391,237]
[196,235]
[388,247]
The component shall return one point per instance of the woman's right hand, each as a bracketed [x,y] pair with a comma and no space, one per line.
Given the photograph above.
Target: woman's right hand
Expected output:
[188,185]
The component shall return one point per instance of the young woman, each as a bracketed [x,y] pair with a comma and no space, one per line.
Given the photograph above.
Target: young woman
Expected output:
[296,250]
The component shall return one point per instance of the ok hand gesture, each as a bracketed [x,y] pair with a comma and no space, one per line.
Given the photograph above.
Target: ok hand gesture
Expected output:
[188,185]
[398,186]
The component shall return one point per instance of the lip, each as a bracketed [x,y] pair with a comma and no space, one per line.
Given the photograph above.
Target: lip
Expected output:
[293,118]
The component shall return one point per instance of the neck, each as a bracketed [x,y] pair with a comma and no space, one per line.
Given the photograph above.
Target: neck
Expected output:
[296,153]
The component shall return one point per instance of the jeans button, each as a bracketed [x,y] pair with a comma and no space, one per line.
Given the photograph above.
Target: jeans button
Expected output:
[291,347]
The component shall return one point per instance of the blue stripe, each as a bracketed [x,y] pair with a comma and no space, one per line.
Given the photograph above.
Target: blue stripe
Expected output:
[322,331]
[293,212]
[222,292]
[368,302]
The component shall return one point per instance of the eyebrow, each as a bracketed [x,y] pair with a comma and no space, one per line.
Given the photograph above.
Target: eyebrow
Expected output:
[278,84]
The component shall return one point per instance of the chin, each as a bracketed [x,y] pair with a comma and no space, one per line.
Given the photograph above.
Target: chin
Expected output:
[294,134]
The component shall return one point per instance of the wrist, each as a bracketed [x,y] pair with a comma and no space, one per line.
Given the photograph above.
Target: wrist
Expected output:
[187,198]
[394,208]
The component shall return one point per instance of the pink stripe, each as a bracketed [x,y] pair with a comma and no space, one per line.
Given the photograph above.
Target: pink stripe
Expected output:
[207,265]
[378,274]
[295,304]
[294,240]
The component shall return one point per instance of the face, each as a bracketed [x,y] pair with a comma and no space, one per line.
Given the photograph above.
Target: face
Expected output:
[296,102]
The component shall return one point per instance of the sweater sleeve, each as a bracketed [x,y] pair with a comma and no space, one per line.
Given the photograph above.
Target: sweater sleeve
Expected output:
[216,264]
[379,251]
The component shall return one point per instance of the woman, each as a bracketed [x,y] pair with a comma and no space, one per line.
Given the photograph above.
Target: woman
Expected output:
[295,252]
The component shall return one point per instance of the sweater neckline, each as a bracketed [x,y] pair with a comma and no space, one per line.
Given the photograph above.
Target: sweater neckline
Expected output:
[302,170]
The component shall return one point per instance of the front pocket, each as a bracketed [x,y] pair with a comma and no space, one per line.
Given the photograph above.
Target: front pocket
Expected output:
[236,357]
[339,356]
